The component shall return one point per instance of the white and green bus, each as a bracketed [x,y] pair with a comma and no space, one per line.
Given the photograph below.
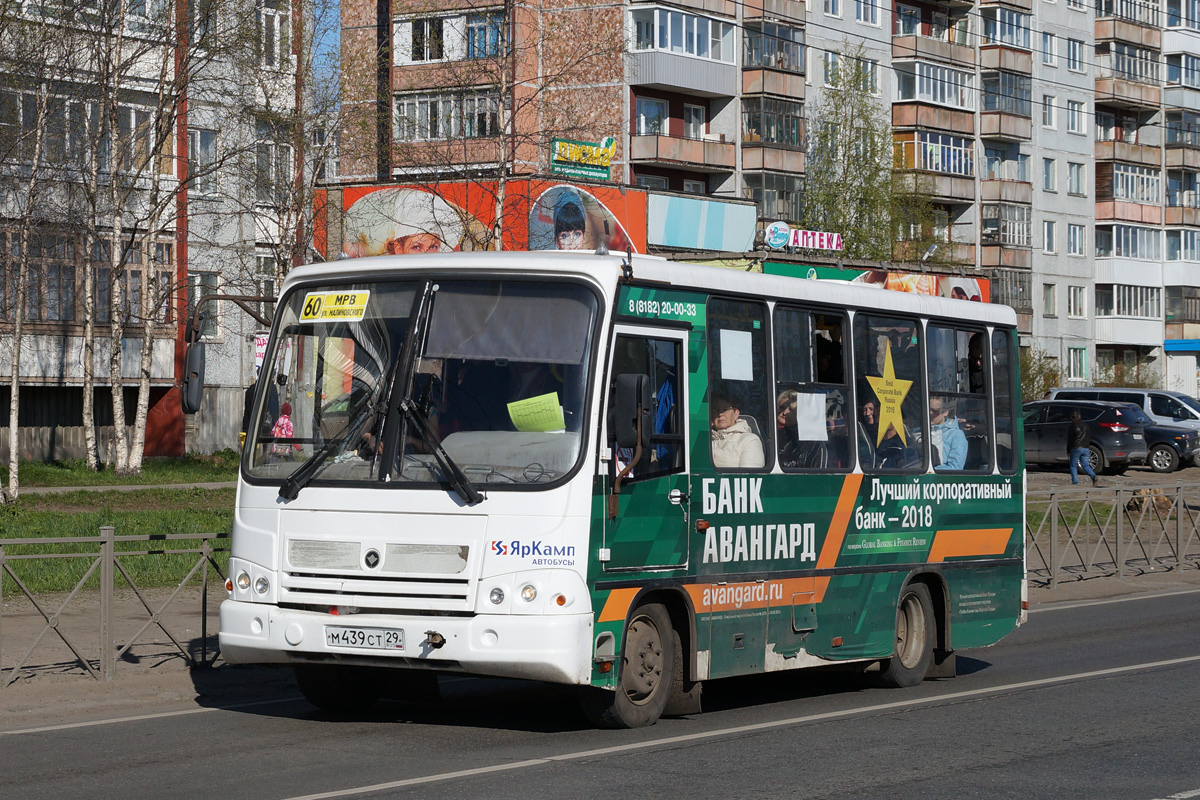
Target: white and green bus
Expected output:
[624,474]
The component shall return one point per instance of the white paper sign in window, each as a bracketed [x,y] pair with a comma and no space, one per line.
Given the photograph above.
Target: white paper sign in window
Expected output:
[810,417]
[736,361]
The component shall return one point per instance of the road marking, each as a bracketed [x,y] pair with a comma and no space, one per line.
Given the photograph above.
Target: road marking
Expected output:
[1108,600]
[744,729]
[1182,795]
[160,715]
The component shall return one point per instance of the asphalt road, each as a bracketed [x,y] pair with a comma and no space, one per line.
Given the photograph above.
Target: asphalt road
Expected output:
[1093,699]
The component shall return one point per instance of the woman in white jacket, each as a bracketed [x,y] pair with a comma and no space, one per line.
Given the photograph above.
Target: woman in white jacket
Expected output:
[733,443]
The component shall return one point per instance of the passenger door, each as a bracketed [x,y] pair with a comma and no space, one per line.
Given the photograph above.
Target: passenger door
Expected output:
[650,526]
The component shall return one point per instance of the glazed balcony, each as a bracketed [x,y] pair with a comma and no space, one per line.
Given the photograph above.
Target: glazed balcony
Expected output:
[1005,126]
[918,114]
[930,49]
[1122,30]
[698,155]
[1123,211]
[757,156]
[1003,57]
[1003,255]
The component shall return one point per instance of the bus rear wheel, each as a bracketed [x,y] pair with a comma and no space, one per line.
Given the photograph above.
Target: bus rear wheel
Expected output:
[915,633]
[647,674]
[339,689]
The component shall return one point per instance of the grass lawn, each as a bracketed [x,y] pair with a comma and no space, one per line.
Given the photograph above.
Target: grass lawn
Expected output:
[150,512]
[221,466]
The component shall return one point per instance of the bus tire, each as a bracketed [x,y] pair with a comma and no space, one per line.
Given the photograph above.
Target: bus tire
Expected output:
[337,688]
[647,674]
[915,633]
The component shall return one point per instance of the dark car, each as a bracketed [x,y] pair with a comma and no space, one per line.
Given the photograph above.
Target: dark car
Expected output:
[1117,440]
[1168,446]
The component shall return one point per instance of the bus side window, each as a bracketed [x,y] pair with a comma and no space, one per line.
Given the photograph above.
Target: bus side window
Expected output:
[812,428]
[960,430]
[892,418]
[1004,396]
[738,401]
[659,359]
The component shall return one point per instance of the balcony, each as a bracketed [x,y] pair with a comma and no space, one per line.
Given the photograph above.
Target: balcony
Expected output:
[1184,152]
[1128,152]
[1004,125]
[1003,255]
[673,72]
[1119,91]
[1122,330]
[928,48]
[1123,211]
[1010,59]
[770,81]
[698,155]
[1005,191]
[721,8]
[776,9]
[1182,215]
[1179,96]
[1023,5]
[917,114]
[759,156]
[1123,30]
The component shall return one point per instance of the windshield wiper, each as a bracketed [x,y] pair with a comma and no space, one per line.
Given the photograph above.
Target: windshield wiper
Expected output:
[457,479]
[302,476]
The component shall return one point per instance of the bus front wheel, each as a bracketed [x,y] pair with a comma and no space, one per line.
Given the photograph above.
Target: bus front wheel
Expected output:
[915,633]
[337,688]
[647,673]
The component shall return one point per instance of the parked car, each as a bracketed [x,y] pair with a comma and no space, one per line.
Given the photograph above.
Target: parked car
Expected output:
[1168,447]
[1117,441]
[1160,405]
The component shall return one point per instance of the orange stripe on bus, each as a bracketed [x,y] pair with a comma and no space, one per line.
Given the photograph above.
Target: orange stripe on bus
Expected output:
[617,605]
[832,547]
[980,542]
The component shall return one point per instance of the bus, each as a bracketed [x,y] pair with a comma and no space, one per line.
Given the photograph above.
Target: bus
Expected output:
[622,473]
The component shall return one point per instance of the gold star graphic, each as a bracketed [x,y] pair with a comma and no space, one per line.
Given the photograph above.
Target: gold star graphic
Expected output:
[891,392]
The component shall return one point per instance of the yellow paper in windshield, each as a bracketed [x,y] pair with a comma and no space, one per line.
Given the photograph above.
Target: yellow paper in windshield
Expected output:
[337,306]
[541,413]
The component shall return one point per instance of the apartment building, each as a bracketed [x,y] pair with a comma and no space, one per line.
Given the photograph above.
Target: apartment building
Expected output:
[1060,139]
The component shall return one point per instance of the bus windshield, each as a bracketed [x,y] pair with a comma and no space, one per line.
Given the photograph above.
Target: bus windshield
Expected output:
[496,377]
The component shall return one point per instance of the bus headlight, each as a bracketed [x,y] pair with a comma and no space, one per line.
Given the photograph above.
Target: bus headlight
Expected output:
[496,596]
[243,581]
[262,585]
[529,593]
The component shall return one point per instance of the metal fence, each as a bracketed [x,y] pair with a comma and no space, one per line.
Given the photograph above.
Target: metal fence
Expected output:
[1076,533]
[106,556]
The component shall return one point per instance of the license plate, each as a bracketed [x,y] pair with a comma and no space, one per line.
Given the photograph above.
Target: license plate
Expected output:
[1137,436]
[365,638]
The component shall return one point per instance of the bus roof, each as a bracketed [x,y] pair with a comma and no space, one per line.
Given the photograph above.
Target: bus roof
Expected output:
[606,269]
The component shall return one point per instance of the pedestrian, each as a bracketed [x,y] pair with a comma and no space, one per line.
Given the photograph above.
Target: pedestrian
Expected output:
[1078,439]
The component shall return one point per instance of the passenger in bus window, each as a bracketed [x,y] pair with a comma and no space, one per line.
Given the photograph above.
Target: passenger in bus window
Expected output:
[948,440]
[785,429]
[734,444]
[868,432]
[978,382]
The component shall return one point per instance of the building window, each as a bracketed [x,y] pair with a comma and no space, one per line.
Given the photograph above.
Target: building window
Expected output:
[1076,5]
[933,83]
[1145,12]
[1183,245]
[1075,55]
[652,182]
[1049,175]
[866,11]
[653,117]
[1048,107]
[778,195]
[1076,302]
[1007,92]
[1075,116]
[1075,246]
[1121,300]
[1003,165]
[908,20]
[1076,179]
[274,33]
[833,8]
[202,159]
[1128,241]
[427,41]
[1005,26]
[935,152]
[674,31]
[201,284]
[1136,184]
[693,186]
[775,47]
[273,165]
[1048,243]
[1049,300]
[1049,49]
[1077,363]
[1183,127]
[1183,70]
[1118,60]
[829,63]
[433,117]
[264,282]
[1012,288]
[774,121]
[485,32]
[693,121]
[1006,224]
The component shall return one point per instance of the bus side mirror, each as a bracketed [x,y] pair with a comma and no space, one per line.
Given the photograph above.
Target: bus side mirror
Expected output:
[633,402]
[192,386]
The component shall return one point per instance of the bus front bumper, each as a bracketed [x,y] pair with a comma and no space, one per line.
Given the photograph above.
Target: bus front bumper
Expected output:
[554,648]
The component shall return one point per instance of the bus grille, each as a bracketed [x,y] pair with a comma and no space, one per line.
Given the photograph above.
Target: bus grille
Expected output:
[384,592]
